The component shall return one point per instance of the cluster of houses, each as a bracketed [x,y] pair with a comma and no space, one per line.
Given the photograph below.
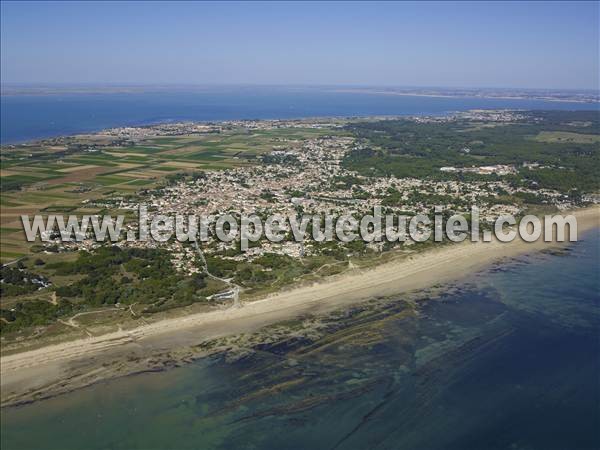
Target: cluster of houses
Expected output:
[498,169]
[308,176]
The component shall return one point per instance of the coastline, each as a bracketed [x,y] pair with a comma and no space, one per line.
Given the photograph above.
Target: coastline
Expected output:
[176,114]
[59,368]
[489,97]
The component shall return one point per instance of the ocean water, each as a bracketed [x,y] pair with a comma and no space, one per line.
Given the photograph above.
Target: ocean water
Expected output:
[29,117]
[509,358]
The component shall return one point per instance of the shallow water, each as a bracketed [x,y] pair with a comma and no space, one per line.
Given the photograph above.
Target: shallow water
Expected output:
[507,359]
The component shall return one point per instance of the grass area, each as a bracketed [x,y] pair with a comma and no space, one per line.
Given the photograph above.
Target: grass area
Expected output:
[567,137]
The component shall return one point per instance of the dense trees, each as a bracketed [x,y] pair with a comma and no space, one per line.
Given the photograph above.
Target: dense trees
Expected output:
[405,148]
[32,313]
[105,276]
[18,281]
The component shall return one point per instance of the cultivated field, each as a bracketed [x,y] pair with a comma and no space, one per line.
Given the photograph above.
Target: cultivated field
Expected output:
[70,175]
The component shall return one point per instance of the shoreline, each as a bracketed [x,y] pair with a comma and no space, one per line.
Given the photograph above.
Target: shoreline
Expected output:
[485,97]
[97,130]
[51,370]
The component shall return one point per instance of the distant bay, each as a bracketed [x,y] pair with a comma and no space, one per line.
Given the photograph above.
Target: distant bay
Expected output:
[30,117]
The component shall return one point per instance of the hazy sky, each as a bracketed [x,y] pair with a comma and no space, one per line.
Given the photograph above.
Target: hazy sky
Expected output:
[539,44]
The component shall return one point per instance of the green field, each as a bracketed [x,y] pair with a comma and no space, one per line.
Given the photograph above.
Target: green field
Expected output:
[567,137]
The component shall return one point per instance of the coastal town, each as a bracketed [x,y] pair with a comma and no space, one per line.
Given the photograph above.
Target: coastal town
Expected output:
[308,176]
[338,167]
[299,225]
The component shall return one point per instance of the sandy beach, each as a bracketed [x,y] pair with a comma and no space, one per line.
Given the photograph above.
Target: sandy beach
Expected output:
[50,370]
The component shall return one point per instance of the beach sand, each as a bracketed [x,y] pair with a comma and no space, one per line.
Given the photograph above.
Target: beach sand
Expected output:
[58,368]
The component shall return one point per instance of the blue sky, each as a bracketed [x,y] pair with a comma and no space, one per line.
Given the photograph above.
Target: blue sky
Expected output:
[536,45]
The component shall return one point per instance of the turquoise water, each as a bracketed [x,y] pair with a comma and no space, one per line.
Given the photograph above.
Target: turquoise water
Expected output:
[28,117]
[508,359]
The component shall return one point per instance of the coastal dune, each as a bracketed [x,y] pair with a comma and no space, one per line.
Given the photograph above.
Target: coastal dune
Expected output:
[53,369]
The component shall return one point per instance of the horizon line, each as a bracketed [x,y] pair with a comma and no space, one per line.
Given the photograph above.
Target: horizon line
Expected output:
[94,84]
